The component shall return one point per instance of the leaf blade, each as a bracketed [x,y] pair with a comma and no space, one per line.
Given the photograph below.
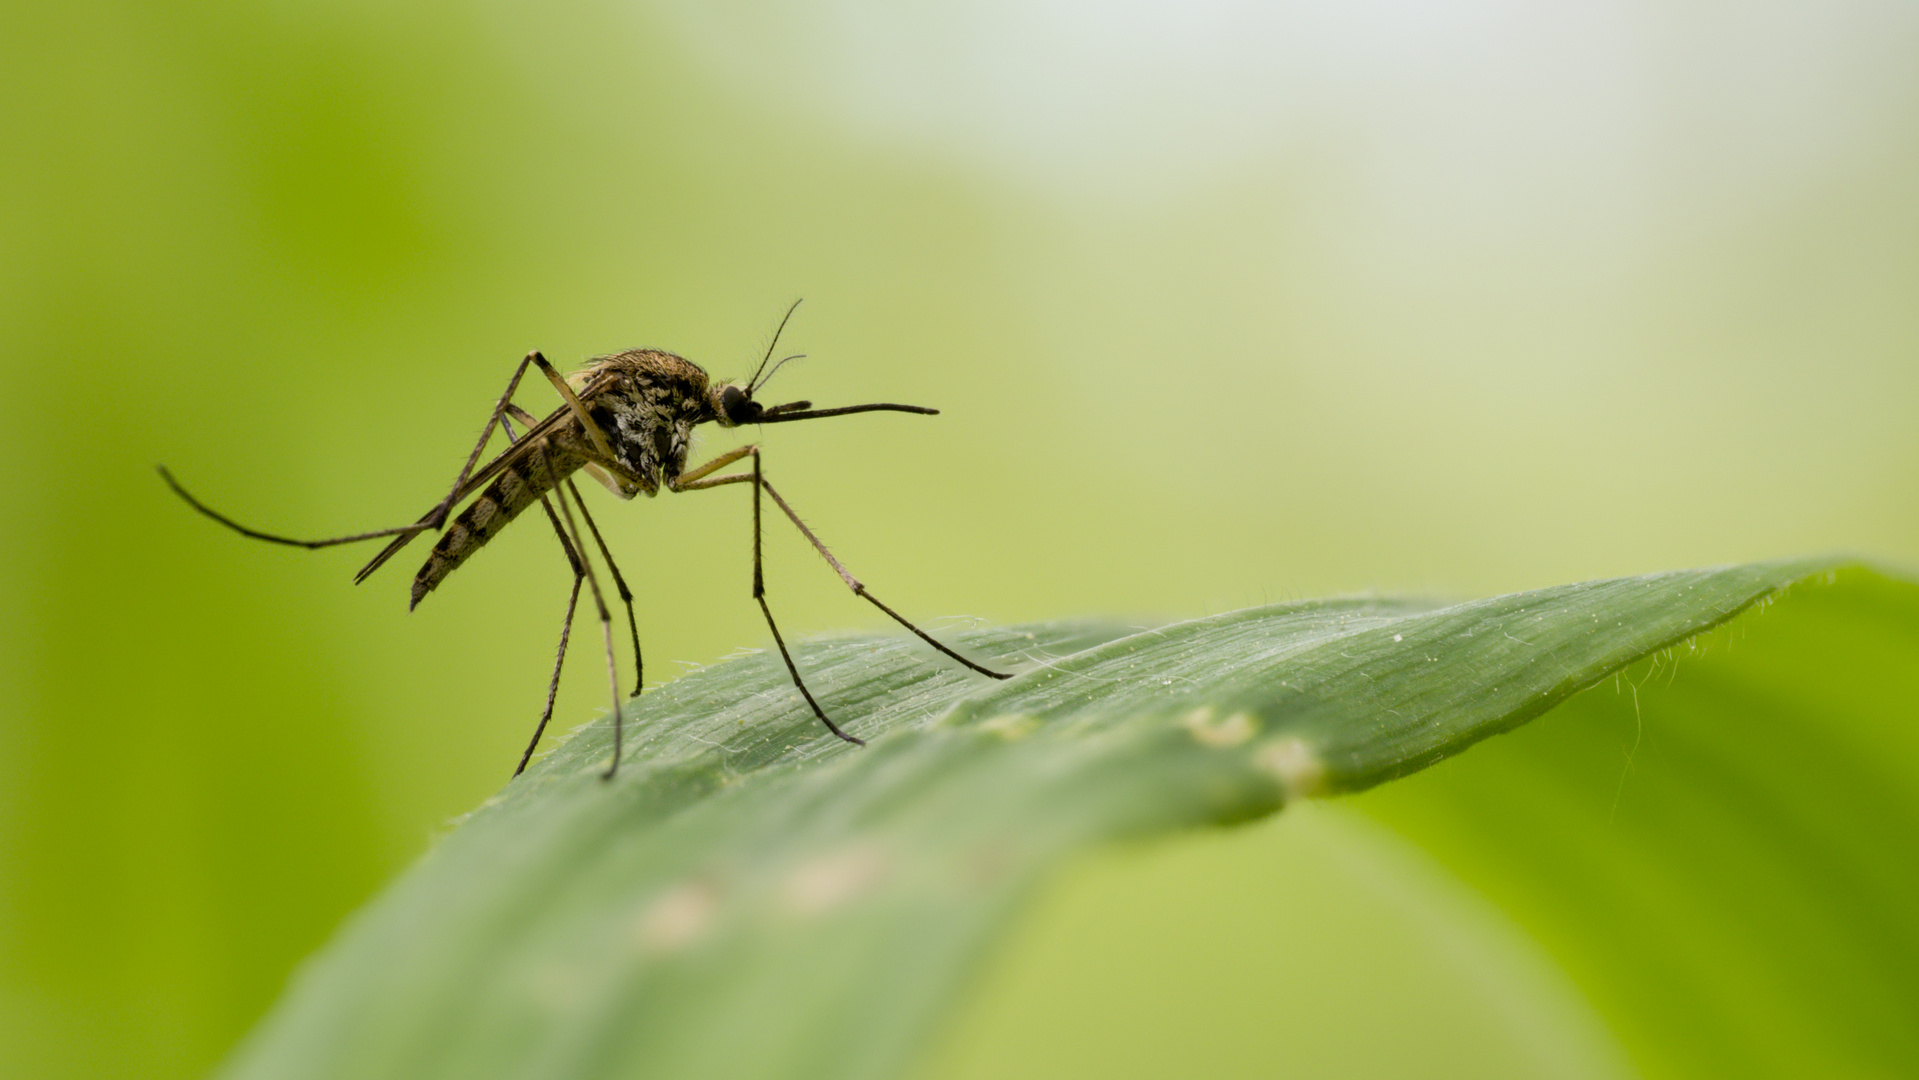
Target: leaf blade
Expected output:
[748,875]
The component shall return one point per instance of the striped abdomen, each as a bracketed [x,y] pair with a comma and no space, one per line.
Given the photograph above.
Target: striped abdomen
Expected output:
[520,486]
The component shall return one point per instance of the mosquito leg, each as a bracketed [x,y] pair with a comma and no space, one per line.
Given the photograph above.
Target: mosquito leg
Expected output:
[619,580]
[853,583]
[698,480]
[599,603]
[619,583]
[553,686]
[692,480]
[572,604]
[439,512]
[759,595]
[436,517]
[573,402]
[406,531]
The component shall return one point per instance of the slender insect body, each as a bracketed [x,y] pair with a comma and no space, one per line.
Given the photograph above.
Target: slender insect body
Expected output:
[524,481]
[628,420]
[645,401]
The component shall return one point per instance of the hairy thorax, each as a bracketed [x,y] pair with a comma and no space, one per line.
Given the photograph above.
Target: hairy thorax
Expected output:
[647,407]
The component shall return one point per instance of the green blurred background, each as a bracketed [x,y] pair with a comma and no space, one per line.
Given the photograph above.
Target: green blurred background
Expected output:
[1224,303]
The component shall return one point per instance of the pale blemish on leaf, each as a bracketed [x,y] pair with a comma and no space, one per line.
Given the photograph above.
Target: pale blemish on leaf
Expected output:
[1234,730]
[1011,726]
[1296,766]
[678,917]
[832,880]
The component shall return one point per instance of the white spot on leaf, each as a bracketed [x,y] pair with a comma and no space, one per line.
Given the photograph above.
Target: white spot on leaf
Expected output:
[1010,726]
[1295,765]
[830,881]
[1218,735]
[678,917]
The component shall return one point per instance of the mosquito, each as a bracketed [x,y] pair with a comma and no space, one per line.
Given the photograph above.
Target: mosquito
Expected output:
[627,421]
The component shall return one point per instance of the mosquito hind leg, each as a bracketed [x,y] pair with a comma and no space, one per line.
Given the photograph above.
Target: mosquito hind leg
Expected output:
[501,409]
[592,426]
[436,517]
[404,531]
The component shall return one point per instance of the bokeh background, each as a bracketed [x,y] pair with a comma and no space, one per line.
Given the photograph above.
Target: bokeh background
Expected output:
[1224,303]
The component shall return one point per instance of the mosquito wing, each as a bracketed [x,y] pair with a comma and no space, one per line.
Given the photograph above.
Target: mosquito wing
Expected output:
[524,445]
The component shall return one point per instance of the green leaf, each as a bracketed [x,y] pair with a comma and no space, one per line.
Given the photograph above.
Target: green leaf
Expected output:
[752,897]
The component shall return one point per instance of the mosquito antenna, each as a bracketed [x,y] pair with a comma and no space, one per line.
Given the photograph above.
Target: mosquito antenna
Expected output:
[770,346]
[754,387]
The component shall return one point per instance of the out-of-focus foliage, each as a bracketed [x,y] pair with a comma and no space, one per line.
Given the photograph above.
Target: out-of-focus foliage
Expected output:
[1219,311]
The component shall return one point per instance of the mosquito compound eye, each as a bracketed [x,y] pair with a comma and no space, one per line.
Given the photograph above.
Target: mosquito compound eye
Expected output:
[740,409]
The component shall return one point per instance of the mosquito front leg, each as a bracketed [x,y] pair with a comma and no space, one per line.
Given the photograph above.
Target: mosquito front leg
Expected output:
[694,480]
[700,479]
[853,583]
[759,595]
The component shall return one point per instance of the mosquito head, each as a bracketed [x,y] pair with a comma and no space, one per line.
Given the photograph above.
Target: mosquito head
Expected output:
[732,404]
